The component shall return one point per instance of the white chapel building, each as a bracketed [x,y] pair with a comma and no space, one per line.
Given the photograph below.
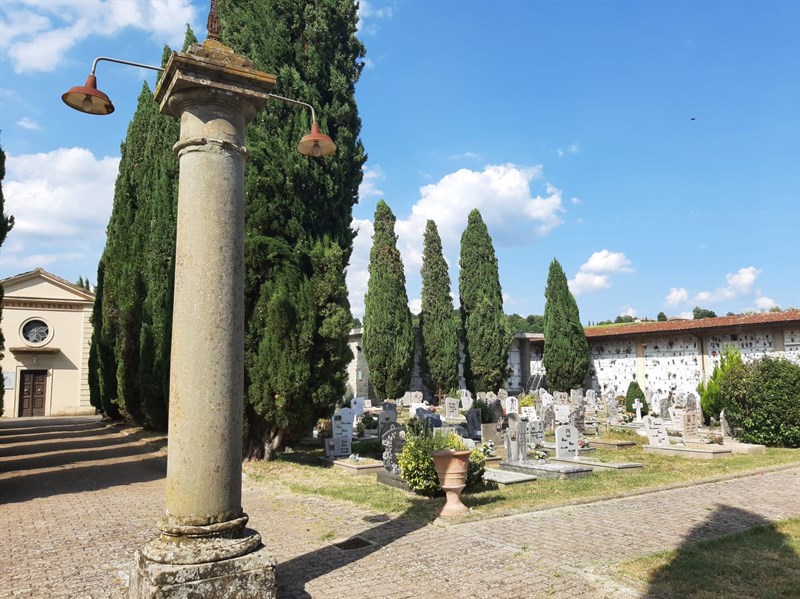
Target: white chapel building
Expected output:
[47,329]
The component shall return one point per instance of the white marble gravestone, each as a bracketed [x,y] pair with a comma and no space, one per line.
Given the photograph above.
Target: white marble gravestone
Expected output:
[529,412]
[340,444]
[690,422]
[535,433]
[561,413]
[638,405]
[466,400]
[512,405]
[451,408]
[357,405]
[656,431]
[566,442]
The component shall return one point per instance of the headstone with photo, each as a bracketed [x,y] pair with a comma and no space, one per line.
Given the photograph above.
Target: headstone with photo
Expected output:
[386,417]
[340,443]
[561,397]
[417,397]
[516,439]
[392,441]
[497,410]
[566,442]
[451,408]
[512,405]
[577,418]
[357,405]
[529,412]
[535,433]
[549,417]
[656,431]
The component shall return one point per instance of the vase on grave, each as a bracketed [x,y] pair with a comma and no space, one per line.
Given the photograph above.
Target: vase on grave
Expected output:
[451,467]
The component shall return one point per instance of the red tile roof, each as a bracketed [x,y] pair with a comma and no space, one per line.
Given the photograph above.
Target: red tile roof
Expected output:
[788,317]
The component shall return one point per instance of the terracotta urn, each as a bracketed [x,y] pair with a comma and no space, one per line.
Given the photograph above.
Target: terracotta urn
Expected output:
[451,467]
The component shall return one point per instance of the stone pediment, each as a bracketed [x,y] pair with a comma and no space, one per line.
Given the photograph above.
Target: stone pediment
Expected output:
[43,289]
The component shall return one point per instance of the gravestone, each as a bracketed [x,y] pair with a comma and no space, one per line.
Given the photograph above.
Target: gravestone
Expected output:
[561,397]
[691,401]
[656,431]
[535,433]
[502,395]
[392,441]
[577,418]
[405,400]
[614,416]
[638,405]
[591,397]
[516,439]
[567,442]
[387,417]
[549,417]
[512,405]
[340,444]
[576,396]
[357,405]
[665,403]
[723,423]
[493,432]
[497,410]
[676,415]
[481,395]
[529,412]
[690,421]
[367,404]
[451,408]
[466,400]
[414,410]
[474,423]
[417,397]
[561,413]
[547,399]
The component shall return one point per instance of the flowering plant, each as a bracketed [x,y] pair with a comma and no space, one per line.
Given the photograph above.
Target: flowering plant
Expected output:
[323,428]
[715,439]
[539,452]
[583,442]
[487,448]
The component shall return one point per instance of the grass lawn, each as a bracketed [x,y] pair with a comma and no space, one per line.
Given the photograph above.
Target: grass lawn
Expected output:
[761,563]
[300,472]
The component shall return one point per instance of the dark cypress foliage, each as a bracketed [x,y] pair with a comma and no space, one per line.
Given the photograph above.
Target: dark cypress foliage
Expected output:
[6,223]
[298,212]
[566,350]
[388,338]
[486,331]
[102,364]
[438,326]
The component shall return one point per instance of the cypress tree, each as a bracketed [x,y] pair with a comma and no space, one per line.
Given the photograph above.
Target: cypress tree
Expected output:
[102,363]
[298,210]
[6,223]
[486,331]
[388,338]
[438,327]
[566,350]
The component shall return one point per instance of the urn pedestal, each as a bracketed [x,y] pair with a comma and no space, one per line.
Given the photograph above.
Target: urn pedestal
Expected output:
[451,467]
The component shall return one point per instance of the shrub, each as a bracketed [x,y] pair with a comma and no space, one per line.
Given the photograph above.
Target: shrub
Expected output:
[487,415]
[526,401]
[711,401]
[369,447]
[416,462]
[762,400]
[634,391]
[369,421]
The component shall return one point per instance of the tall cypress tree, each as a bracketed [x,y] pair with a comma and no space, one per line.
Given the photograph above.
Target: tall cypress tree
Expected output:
[486,331]
[6,223]
[298,210]
[388,338]
[566,350]
[438,326]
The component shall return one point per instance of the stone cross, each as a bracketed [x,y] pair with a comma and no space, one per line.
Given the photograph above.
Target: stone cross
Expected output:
[638,405]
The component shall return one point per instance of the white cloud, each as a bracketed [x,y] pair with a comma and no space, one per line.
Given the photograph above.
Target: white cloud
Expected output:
[575,201]
[738,284]
[605,261]
[676,296]
[628,311]
[61,202]
[503,195]
[574,148]
[27,123]
[585,282]
[369,183]
[367,12]
[465,155]
[765,303]
[415,305]
[37,35]
[593,275]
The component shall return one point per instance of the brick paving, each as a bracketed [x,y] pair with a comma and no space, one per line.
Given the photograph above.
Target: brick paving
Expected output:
[76,500]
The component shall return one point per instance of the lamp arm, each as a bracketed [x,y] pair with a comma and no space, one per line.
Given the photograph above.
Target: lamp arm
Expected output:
[298,102]
[127,62]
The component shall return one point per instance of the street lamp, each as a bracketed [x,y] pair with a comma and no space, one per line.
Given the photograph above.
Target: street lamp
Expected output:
[204,548]
[87,98]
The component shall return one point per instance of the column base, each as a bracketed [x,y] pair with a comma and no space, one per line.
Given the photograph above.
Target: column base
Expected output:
[250,576]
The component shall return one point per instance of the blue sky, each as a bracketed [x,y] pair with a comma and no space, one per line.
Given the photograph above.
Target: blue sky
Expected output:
[568,125]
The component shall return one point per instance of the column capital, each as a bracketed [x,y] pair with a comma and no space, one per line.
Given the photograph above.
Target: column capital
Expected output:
[212,68]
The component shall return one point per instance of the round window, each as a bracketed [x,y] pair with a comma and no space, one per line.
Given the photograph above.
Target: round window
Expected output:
[36,331]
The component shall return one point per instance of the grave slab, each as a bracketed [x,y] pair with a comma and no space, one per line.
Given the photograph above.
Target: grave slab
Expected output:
[694,452]
[613,445]
[507,477]
[351,466]
[545,470]
[596,464]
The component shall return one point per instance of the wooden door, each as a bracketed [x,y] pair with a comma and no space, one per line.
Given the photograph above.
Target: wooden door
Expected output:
[32,394]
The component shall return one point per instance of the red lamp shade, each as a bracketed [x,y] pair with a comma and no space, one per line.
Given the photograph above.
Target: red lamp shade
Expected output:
[316,144]
[87,98]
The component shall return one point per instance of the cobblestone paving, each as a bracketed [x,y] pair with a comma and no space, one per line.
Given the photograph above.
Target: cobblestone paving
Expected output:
[77,499]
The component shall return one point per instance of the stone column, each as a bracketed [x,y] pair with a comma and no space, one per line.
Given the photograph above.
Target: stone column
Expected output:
[204,548]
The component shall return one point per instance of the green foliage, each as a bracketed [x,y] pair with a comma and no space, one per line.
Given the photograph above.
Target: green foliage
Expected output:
[526,401]
[6,224]
[487,414]
[486,332]
[533,323]
[417,467]
[566,350]
[438,327]
[762,400]
[661,317]
[368,447]
[624,318]
[388,338]
[634,392]
[102,363]
[711,399]
[699,313]
[298,210]
[369,421]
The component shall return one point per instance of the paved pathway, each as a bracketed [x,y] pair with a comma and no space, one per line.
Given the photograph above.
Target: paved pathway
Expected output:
[77,499]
